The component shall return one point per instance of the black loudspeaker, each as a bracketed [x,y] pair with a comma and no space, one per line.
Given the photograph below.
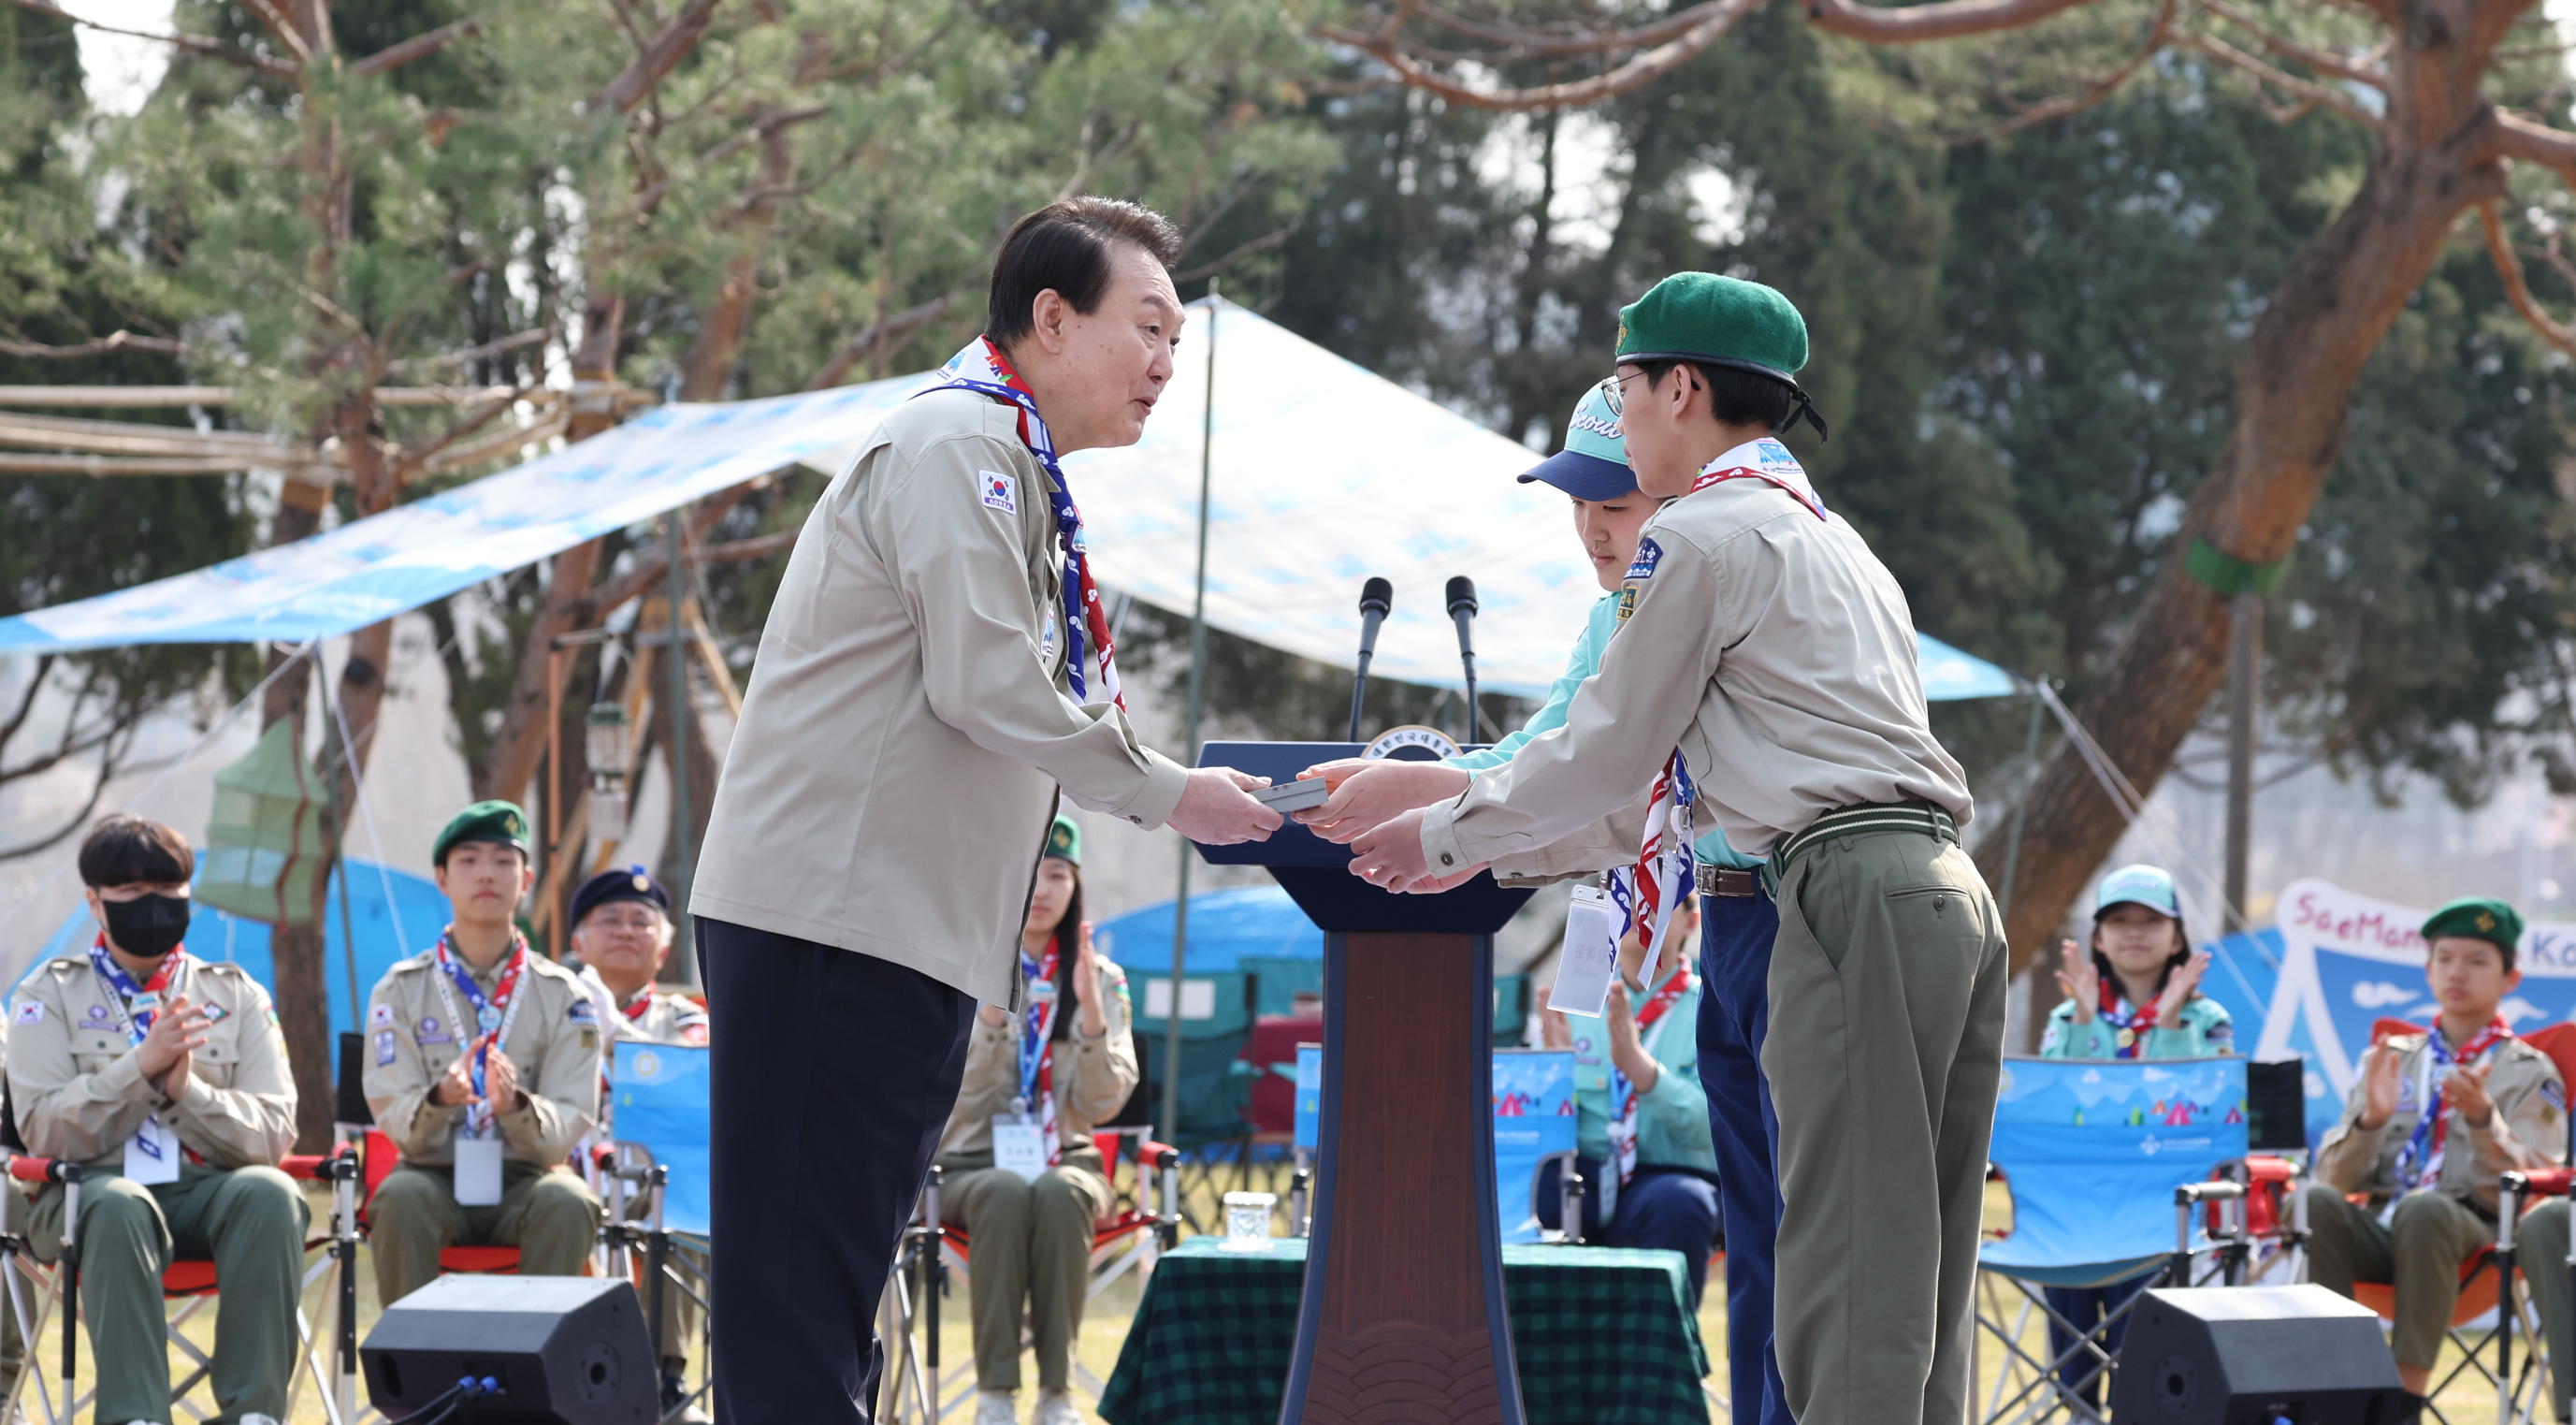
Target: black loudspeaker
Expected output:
[2254,1355]
[567,1350]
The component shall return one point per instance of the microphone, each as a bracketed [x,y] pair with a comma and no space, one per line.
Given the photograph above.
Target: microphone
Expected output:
[1377,597]
[1462,611]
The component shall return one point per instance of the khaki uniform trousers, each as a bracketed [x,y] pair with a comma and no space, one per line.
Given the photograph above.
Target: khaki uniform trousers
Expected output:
[2418,1251]
[1030,1241]
[2540,1250]
[551,1216]
[249,1221]
[1884,1055]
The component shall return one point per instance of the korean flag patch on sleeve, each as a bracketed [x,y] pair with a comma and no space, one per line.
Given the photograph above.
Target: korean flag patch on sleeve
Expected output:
[31,1012]
[1001,492]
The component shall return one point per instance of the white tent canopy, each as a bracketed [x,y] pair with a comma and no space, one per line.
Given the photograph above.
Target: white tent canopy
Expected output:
[1324,474]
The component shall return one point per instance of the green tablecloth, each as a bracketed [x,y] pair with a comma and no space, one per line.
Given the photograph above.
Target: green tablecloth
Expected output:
[1604,1336]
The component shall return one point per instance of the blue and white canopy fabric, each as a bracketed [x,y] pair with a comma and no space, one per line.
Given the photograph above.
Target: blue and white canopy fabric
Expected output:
[1324,474]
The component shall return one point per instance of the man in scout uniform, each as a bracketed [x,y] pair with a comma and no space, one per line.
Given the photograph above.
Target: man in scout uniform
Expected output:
[1763,647]
[165,1078]
[483,1066]
[1737,924]
[621,930]
[2428,1128]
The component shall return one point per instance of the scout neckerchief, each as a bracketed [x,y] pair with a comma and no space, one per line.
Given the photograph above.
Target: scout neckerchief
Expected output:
[982,367]
[493,1016]
[2419,1163]
[2132,1029]
[1774,465]
[136,1007]
[1037,1047]
[1623,1094]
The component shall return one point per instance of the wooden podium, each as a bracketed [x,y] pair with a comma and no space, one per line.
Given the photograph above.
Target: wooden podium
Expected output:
[1402,1319]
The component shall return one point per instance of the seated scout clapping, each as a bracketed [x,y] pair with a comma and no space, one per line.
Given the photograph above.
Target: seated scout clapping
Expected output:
[1038,1083]
[483,1067]
[2434,1120]
[165,1078]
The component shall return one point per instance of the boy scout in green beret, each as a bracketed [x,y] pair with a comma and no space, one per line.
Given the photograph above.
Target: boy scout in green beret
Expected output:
[483,1067]
[1764,648]
[165,1078]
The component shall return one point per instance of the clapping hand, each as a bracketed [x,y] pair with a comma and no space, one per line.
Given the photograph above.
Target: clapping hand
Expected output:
[2379,1086]
[1086,983]
[2080,981]
[170,1046]
[2466,1090]
[2178,988]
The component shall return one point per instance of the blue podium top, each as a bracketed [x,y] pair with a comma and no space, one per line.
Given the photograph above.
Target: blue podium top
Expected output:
[1316,873]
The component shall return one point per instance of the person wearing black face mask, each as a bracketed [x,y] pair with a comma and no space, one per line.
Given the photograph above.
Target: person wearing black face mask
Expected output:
[165,1078]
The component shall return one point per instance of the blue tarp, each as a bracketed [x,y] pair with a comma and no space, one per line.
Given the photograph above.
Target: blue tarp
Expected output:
[1225,926]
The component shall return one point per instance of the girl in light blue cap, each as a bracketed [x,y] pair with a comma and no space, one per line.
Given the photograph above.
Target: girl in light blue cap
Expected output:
[2136,994]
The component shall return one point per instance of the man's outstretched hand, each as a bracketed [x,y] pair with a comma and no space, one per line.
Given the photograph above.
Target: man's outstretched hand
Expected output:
[1391,856]
[1215,811]
[1369,794]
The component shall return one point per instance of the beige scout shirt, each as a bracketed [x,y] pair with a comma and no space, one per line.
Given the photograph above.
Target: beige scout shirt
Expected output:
[1771,646]
[652,1016]
[2528,1128]
[80,1097]
[1093,1077]
[554,1042]
[907,728]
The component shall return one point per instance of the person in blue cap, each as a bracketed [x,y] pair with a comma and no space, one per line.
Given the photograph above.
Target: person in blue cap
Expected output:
[1737,922]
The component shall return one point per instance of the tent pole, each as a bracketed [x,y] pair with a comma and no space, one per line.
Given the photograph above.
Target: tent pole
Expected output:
[2021,808]
[1190,740]
[681,859]
[338,864]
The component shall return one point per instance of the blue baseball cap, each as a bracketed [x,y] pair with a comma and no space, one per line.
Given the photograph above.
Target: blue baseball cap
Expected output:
[1594,463]
[2143,885]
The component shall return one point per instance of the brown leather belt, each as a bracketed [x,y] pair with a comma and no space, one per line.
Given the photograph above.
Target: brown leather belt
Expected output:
[1726,881]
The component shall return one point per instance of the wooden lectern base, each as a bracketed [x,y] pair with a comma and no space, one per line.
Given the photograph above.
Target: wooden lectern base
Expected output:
[1402,1321]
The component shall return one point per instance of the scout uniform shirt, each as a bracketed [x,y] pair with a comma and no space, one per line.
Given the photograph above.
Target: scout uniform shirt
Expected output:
[1093,1077]
[652,1015]
[553,1040]
[80,1098]
[2527,1128]
[1672,1117]
[1763,639]
[2206,1030]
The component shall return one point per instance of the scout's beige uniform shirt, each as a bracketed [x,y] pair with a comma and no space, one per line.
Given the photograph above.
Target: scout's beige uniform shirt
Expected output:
[80,1097]
[1771,646]
[892,779]
[665,1019]
[2527,1129]
[554,1042]
[1093,1077]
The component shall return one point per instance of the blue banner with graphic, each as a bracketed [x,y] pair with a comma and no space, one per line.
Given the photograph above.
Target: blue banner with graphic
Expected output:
[1534,1120]
[2092,1151]
[659,1099]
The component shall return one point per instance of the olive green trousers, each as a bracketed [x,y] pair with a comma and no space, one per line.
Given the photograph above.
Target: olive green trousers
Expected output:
[2540,1250]
[1028,1241]
[249,1221]
[2418,1251]
[1884,1055]
[550,1215]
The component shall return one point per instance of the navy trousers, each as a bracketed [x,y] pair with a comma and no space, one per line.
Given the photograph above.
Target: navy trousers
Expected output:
[832,1075]
[1734,1013]
[1669,1208]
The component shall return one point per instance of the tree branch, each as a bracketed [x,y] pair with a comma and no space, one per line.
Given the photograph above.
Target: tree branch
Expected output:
[2517,290]
[2158,35]
[421,46]
[2308,91]
[113,341]
[1262,243]
[1942,20]
[661,55]
[889,331]
[2510,135]
[2316,59]
[192,44]
[1714,20]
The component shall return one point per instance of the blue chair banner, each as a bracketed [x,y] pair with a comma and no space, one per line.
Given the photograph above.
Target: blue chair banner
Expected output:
[2093,1150]
[660,1101]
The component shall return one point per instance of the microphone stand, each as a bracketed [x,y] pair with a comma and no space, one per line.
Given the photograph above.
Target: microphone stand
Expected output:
[1462,610]
[1377,597]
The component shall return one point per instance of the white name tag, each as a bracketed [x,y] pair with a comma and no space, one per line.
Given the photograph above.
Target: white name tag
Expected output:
[1590,955]
[478,1172]
[152,1154]
[1019,1147]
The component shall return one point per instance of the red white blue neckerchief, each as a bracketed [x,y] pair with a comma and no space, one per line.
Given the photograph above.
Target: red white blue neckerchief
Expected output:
[136,1007]
[1648,892]
[982,367]
[493,1015]
[1769,462]
[1037,1045]
[1623,1094]
[2135,1024]
[2419,1163]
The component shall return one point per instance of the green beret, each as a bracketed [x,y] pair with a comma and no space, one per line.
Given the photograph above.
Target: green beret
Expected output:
[484,821]
[1709,320]
[2477,918]
[1064,841]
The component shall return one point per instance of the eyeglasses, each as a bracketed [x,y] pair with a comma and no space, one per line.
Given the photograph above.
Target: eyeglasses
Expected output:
[1610,387]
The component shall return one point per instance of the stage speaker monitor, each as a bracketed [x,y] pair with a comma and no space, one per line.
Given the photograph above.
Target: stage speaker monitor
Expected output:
[567,1350]
[2254,1355]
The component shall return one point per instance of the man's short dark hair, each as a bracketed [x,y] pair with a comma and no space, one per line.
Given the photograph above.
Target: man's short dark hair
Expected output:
[2502,949]
[126,850]
[1065,246]
[1736,398]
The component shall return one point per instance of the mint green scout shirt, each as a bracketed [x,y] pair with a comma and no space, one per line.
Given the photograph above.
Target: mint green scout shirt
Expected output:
[1603,622]
[2206,1031]
[1672,1117]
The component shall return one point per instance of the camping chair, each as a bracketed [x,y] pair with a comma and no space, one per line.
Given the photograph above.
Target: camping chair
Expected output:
[2092,1152]
[1217,1013]
[914,1389]
[660,1156]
